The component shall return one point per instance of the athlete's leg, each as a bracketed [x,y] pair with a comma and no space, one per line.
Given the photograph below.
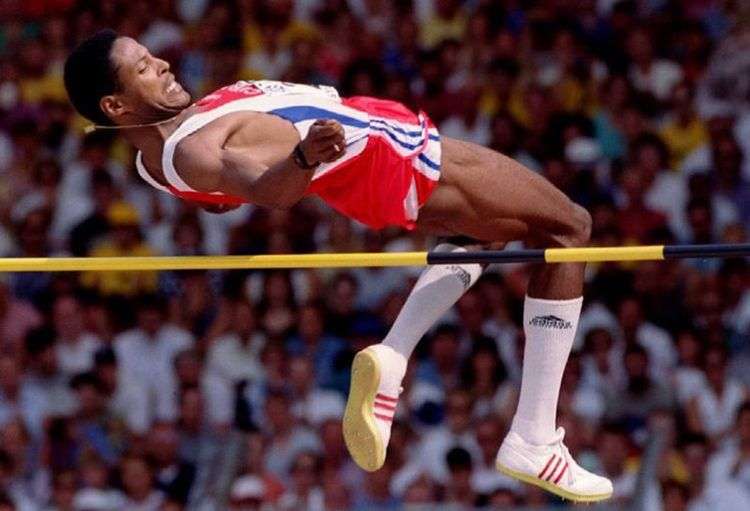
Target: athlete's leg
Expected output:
[489,196]
[377,371]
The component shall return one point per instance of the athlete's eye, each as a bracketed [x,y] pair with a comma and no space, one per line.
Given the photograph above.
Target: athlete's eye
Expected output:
[143,69]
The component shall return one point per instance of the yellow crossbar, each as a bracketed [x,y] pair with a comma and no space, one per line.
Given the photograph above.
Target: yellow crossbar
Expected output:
[233,262]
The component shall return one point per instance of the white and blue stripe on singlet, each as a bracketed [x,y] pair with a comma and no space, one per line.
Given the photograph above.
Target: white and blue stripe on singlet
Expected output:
[409,140]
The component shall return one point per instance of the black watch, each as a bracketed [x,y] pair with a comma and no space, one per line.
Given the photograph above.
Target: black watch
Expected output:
[299,159]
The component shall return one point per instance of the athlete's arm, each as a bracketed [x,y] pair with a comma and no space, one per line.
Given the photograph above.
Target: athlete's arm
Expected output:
[206,166]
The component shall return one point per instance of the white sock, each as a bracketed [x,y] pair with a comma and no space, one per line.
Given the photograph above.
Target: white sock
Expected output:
[438,288]
[550,326]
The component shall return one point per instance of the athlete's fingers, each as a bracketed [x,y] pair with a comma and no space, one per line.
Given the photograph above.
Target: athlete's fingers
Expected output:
[333,153]
[324,131]
[333,138]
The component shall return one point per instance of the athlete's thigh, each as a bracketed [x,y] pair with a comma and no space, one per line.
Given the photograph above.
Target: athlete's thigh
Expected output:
[485,194]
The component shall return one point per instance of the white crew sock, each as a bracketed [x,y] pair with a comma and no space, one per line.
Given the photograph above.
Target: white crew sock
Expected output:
[550,326]
[438,288]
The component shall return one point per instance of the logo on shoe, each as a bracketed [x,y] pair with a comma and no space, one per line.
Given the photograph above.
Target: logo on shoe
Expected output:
[550,321]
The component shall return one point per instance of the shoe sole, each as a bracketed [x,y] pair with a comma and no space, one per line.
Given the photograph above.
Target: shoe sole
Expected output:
[360,431]
[552,488]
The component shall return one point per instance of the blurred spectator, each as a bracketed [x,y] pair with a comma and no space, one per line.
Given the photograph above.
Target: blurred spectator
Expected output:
[174,477]
[125,240]
[289,437]
[235,354]
[127,398]
[16,317]
[725,494]
[326,351]
[75,347]
[713,409]
[641,395]
[138,485]
[146,353]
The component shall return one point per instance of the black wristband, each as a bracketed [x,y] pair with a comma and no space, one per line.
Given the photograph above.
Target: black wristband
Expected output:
[299,159]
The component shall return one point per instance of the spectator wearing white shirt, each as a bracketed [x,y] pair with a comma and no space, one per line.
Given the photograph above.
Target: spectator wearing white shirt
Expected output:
[75,188]
[312,404]
[641,395]
[188,367]
[710,495]
[305,491]
[20,399]
[467,122]
[45,377]
[146,353]
[688,379]
[489,433]
[655,340]
[578,398]
[601,362]
[732,461]
[712,411]
[75,347]
[648,73]
[455,432]
[289,437]
[235,355]
[126,399]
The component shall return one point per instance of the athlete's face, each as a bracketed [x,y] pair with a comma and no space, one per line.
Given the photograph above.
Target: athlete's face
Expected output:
[148,92]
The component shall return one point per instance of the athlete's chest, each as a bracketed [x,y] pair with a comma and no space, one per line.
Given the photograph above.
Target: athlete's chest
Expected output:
[266,138]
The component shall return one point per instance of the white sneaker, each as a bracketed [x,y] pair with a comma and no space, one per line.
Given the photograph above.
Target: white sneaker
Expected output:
[552,468]
[377,372]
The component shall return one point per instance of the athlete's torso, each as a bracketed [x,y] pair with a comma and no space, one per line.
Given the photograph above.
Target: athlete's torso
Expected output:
[265,117]
[389,168]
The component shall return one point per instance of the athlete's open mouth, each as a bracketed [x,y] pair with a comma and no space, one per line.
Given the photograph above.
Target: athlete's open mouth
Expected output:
[174,86]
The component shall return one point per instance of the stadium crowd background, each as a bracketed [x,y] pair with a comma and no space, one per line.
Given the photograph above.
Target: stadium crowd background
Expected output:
[113,387]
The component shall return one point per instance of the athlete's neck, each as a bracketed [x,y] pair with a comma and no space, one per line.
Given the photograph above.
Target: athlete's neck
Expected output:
[150,139]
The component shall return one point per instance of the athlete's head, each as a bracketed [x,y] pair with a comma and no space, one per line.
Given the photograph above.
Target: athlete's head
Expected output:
[115,80]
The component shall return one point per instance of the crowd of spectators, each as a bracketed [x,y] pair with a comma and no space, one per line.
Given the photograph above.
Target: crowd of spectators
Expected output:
[121,390]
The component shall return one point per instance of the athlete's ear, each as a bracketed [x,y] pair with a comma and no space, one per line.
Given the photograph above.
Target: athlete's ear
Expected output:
[113,106]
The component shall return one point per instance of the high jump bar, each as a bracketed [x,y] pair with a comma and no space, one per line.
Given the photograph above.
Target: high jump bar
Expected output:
[364,259]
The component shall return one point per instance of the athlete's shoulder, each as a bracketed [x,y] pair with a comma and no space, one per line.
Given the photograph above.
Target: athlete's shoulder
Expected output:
[238,90]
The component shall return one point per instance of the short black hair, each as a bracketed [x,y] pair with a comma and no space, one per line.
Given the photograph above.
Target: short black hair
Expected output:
[90,75]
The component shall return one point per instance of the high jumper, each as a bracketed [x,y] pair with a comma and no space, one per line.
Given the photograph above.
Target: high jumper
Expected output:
[273,143]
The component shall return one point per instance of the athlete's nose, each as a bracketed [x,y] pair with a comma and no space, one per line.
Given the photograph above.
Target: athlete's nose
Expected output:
[163,66]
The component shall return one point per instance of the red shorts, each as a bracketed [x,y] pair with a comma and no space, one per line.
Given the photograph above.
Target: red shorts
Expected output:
[396,168]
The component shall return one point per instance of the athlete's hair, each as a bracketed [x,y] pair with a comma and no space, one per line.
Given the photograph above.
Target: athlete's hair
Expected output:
[90,75]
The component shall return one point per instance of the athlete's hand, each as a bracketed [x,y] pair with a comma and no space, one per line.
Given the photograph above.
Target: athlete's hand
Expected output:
[324,142]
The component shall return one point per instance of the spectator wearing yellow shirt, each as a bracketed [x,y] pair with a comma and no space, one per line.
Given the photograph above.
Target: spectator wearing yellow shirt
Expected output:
[268,36]
[449,22]
[685,132]
[124,240]
[38,81]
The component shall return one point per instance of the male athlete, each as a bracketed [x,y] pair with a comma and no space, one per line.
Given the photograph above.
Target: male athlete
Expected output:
[273,143]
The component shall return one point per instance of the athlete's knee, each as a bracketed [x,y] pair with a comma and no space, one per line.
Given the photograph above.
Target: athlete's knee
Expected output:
[580,228]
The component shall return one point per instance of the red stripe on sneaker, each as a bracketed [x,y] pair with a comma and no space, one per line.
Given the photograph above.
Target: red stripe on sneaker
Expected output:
[386,398]
[383,417]
[385,406]
[559,460]
[559,476]
[552,458]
